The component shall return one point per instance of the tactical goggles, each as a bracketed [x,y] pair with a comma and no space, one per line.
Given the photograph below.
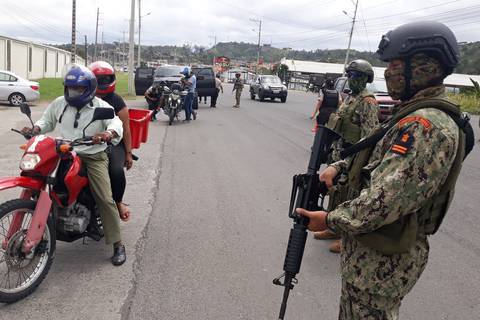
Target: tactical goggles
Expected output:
[352,74]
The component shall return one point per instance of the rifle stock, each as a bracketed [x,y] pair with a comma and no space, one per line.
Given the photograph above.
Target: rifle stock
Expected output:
[307,190]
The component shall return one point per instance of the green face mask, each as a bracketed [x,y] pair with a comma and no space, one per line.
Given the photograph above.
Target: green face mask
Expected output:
[357,84]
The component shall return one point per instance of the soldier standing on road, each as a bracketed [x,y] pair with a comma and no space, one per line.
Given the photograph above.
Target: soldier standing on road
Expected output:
[404,180]
[355,119]
[328,101]
[237,87]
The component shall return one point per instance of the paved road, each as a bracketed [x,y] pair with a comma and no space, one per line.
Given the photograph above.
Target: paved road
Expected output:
[210,229]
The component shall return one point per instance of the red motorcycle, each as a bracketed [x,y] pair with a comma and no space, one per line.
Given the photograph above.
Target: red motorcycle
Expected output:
[55,204]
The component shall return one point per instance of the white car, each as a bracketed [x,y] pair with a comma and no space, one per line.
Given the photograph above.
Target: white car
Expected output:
[17,90]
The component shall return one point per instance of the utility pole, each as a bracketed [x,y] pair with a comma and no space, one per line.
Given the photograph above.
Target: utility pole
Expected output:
[102,52]
[259,37]
[123,50]
[214,48]
[86,51]
[131,83]
[139,29]
[74,45]
[96,37]
[350,38]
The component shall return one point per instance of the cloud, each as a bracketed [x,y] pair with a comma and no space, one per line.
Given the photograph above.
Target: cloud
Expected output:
[301,24]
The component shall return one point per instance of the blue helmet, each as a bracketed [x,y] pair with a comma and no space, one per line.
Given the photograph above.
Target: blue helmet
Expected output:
[80,85]
[185,71]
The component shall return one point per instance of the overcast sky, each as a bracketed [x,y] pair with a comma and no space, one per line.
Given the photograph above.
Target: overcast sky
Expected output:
[299,24]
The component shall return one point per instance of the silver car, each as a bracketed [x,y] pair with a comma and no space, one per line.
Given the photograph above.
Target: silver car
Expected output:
[17,90]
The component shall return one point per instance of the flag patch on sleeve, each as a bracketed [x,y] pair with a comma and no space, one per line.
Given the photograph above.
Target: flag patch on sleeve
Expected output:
[403,143]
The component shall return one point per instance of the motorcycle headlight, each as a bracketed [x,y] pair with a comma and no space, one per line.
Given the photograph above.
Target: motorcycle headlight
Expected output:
[29,161]
[179,101]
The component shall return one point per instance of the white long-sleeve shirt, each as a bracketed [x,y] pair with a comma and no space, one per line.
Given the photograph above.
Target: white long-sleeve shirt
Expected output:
[50,119]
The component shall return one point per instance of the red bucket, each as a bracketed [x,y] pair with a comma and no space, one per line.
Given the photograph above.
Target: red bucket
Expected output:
[139,122]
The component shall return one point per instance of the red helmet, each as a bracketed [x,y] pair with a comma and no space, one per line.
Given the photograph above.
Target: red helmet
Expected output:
[105,76]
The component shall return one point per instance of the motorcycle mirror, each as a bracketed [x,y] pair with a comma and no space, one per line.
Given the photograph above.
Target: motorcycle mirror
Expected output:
[100,114]
[103,114]
[25,109]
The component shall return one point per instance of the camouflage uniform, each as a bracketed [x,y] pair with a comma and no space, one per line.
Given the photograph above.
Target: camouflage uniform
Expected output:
[399,183]
[363,112]
[237,87]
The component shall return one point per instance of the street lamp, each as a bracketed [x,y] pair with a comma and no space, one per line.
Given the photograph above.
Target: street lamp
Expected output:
[139,29]
[351,34]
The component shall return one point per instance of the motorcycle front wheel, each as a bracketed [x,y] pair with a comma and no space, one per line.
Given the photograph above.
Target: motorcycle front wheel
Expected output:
[171,116]
[20,273]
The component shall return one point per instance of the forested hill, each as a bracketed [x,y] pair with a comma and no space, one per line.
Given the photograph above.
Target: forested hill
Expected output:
[247,52]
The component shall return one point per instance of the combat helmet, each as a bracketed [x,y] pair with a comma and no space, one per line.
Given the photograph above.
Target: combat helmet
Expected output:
[362,66]
[429,37]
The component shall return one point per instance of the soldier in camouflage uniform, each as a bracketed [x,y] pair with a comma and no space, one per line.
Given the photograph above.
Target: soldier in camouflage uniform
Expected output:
[356,117]
[405,181]
[237,87]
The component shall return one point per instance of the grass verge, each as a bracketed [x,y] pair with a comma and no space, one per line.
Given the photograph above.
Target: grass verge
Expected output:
[51,88]
[468,103]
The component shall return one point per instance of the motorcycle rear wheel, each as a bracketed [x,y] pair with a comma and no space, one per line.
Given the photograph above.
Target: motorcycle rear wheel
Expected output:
[21,274]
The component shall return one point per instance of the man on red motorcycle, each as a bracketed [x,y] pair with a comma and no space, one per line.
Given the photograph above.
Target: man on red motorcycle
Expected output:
[120,155]
[71,113]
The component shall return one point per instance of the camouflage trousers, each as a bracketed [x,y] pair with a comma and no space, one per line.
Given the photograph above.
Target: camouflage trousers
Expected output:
[360,305]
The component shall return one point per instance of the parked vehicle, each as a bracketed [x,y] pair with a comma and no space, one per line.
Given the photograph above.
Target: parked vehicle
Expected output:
[174,98]
[385,102]
[379,89]
[167,74]
[205,81]
[143,80]
[17,90]
[268,86]
[55,204]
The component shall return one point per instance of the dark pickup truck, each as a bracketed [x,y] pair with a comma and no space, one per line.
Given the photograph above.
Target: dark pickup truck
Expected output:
[205,81]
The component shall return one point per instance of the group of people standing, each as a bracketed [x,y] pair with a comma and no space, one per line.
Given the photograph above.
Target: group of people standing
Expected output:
[393,188]
[155,101]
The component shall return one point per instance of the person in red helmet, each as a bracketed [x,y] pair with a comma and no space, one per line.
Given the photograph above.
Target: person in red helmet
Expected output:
[120,156]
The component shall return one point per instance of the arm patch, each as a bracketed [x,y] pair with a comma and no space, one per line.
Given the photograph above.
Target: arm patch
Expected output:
[424,122]
[403,143]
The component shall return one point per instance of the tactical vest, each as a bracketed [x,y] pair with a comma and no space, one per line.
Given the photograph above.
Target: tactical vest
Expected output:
[346,125]
[329,105]
[401,235]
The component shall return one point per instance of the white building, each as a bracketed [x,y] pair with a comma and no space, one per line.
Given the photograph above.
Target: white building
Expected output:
[32,60]
[299,67]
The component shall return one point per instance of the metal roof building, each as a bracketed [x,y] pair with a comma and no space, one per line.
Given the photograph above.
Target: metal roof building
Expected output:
[456,80]
[32,60]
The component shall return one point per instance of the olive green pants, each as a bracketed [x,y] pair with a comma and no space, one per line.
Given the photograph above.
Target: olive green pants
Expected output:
[97,170]
[356,304]
[238,94]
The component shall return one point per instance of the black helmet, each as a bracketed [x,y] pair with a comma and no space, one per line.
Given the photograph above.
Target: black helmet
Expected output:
[362,66]
[328,83]
[430,37]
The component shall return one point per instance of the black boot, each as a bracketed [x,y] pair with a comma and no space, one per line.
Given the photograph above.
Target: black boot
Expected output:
[119,255]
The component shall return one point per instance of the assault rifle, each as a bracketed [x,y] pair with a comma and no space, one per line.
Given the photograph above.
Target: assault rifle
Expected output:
[307,191]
